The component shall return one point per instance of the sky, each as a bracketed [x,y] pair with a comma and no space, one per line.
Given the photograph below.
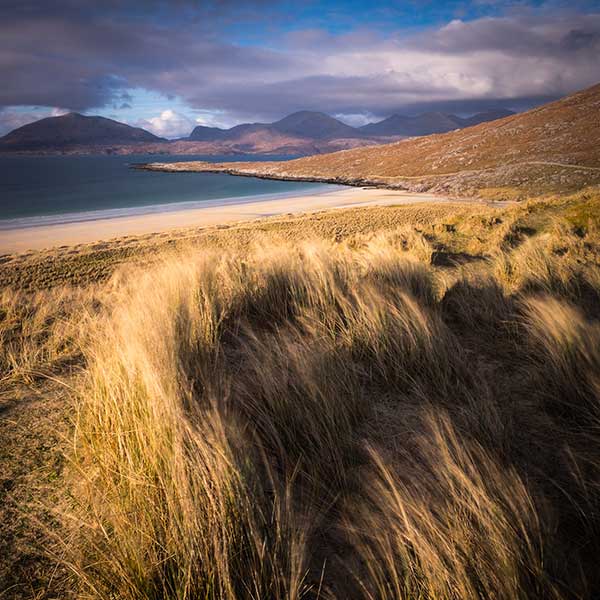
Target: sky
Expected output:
[168,66]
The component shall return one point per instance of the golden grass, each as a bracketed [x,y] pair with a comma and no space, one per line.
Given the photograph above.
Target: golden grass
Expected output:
[40,330]
[335,419]
[451,523]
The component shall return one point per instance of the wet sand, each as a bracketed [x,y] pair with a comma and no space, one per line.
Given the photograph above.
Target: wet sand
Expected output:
[68,234]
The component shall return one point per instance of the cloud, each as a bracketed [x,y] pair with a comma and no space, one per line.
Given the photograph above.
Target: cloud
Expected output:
[168,124]
[466,66]
[355,120]
[214,119]
[93,60]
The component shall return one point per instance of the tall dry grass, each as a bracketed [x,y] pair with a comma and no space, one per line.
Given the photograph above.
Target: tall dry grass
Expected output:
[343,421]
[41,333]
[447,520]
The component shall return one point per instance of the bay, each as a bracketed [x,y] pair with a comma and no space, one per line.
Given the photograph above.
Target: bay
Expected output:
[43,190]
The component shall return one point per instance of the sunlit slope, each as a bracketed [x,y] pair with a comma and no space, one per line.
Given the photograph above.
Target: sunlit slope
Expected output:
[553,147]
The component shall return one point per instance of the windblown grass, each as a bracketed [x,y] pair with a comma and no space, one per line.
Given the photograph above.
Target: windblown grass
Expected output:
[341,420]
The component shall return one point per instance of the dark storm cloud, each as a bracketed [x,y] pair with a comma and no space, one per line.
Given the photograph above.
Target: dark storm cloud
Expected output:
[580,39]
[462,67]
[319,92]
[79,54]
[80,63]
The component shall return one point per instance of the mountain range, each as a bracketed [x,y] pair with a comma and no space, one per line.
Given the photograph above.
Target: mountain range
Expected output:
[304,124]
[319,126]
[552,148]
[304,133]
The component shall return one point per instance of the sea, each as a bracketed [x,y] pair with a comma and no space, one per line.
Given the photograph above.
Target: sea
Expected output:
[47,190]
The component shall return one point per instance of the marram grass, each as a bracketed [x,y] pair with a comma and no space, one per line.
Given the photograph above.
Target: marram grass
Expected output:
[336,420]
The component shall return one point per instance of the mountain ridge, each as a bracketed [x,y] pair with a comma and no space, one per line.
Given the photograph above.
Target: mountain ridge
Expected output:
[318,125]
[300,133]
[430,122]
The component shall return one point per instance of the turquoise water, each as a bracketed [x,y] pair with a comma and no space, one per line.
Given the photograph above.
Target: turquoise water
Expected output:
[59,189]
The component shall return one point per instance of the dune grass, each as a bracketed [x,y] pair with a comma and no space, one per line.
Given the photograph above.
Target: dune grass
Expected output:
[337,419]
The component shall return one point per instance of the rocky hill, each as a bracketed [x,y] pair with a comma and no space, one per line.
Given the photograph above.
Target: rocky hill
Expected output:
[552,147]
[74,129]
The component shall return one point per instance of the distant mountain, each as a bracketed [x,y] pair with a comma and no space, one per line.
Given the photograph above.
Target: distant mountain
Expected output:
[484,117]
[423,124]
[309,125]
[201,133]
[315,125]
[428,123]
[301,133]
[304,124]
[297,129]
[74,129]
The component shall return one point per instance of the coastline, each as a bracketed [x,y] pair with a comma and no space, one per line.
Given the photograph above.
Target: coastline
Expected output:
[90,216]
[22,239]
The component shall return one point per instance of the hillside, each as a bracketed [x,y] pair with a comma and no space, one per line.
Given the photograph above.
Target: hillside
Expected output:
[552,147]
[74,129]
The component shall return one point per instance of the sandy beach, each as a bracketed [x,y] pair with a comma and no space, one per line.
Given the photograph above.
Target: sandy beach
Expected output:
[68,234]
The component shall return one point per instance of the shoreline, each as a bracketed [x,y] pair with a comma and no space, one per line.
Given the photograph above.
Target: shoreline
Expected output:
[23,239]
[92,216]
[205,167]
